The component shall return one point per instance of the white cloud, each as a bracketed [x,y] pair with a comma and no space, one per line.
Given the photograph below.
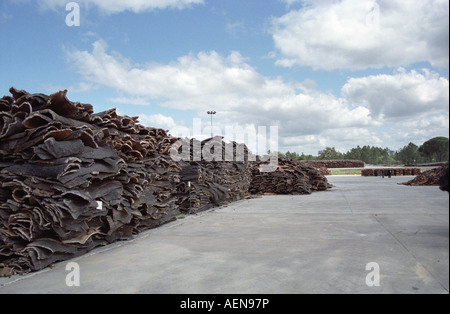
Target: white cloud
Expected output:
[129,101]
[117,6]
[345,139]
[235,29]
[157,121]
[360,34]
[420,130]
[227,84]
[243,96]
[80,87]
[342,139]
[403,94]
[198,79]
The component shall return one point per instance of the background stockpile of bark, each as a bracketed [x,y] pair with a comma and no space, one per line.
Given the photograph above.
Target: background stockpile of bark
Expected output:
[216,175]
[72,180]
[292,178]
[431,177]
[58,160]
[330,164]
[324,165]
[392,171]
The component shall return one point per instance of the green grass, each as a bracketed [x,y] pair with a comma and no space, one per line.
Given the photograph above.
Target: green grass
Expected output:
[345,172]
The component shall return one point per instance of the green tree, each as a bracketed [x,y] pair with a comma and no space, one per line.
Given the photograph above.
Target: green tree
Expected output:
[371,155]
[408,154]
[329,153]
[353,154]
[307,157]
[293,156]
[435,149]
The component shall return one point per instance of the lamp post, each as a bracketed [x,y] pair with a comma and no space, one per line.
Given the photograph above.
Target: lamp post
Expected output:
[211,113]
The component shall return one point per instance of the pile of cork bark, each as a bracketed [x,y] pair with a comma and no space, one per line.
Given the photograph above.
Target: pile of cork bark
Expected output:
[290,177]
[330,164]
[379,172]
[429,177]
[72,180]
[216,173]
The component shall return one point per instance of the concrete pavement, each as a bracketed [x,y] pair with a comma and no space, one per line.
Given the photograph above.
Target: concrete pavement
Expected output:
[319,243]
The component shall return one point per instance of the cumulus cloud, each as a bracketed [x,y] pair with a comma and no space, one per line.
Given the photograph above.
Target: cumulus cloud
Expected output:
[342,139]
[129,101]
[306,117]
[360,34]
[157,121]
[117,6]
[225,83]
[422,129]
[403,94]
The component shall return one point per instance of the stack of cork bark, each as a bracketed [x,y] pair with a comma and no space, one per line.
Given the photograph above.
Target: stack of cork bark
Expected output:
[429,177]
[216,173]
[72,180]
[378,172]
[290,177]
[334,163]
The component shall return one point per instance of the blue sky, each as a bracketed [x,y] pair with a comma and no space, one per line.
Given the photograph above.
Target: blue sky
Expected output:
[326,72]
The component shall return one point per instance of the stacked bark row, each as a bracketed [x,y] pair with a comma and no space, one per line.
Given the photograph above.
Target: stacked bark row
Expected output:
[290,178]
[72,180]
[430,177]
[436,164]
[392,171]
[334,163]
[219,174]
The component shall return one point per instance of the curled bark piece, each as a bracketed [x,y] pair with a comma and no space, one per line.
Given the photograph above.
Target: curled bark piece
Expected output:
[59,103]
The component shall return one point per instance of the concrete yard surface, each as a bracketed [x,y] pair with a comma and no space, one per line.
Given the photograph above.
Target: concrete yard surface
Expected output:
[319,243]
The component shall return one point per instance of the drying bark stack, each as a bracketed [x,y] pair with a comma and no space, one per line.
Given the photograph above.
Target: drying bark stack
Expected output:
[218,173]
[334,163]
[72,180]
[292,178]
[393,171]
[430,177]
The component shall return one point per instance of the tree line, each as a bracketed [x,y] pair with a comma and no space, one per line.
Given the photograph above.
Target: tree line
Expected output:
[433,150]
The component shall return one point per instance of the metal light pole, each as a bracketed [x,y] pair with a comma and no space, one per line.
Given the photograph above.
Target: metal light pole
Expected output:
[211,113]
